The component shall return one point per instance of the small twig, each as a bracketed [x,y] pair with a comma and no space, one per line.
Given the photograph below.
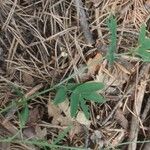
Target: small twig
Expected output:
[34,90]
[146,109]
[83,22]
[10,15]
[134,130]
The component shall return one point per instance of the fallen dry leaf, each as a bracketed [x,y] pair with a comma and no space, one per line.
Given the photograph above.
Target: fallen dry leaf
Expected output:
[120,118]
[27,79]
[77,128]
[29,132]
[115,77]
[93,64]
[55,112]
[82,119]
[34,116]
[35,132]
[40,133]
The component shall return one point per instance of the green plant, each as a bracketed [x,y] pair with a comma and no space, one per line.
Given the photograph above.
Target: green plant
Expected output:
[61,135]
[38,143]
[112,25]
[24,115]
[143,50]
[79,94]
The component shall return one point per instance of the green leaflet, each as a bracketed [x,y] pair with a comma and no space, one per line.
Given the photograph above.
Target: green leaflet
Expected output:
[78,94]
[84,108]
[60,95]
[112,25]
[144,45]
[23,116]
[144,54]
[142,34]
[90,87]
[75,98]
[95,97]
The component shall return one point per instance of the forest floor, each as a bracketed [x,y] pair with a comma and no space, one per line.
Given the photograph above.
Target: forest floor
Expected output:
[48,44]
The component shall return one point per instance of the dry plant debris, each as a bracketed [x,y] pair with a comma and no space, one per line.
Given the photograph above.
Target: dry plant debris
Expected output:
[46,42]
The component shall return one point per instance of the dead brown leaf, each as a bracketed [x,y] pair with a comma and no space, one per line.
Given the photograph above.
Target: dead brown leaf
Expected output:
[29,132]
[77,128]
[55,112]
[40,133]
[34,116]
[27,79]
[120,118]
[93,64]
[114,77]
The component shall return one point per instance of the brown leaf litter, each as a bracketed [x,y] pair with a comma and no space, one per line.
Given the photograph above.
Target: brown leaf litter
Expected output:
[44,42]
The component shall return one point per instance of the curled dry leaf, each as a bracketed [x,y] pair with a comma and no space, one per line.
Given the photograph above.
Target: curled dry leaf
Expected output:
[120,118]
